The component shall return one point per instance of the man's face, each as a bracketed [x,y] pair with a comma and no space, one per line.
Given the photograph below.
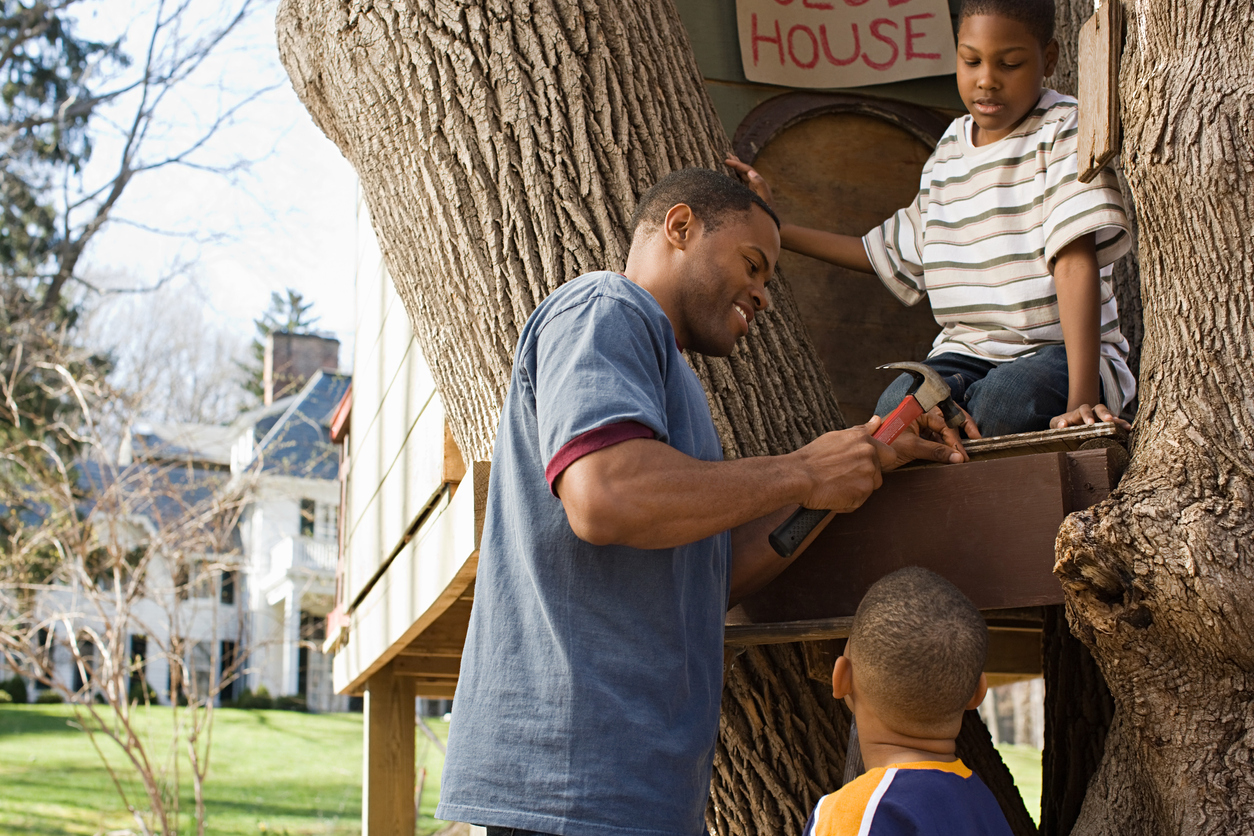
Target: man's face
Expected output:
[1000,68]
[723,286]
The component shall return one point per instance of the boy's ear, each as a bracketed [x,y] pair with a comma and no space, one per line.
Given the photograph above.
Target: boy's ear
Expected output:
[981,690]
[1051,58]
[842,677]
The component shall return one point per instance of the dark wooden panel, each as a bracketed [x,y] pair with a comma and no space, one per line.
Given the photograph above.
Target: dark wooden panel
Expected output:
[847,172]
[1014,652]
[989,527]
[1092,474]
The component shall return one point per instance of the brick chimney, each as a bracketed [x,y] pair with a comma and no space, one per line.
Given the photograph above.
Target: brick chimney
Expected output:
[291,359]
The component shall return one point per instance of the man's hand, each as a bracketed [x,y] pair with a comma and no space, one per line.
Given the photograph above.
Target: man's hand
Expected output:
[844,467]
[1085,414]
[928,437]
[750,177]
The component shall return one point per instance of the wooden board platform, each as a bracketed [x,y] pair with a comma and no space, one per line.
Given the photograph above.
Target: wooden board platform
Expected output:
[1047,441]
[988,526]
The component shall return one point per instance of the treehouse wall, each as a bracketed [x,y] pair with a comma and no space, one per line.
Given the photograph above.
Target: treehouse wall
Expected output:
[711,26]
[407,531]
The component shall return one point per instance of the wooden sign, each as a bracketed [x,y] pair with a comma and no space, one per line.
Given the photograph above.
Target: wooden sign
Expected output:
[1100,39]
[844,43]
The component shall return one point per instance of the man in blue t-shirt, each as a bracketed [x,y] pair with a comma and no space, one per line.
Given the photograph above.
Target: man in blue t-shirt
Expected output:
[616,535]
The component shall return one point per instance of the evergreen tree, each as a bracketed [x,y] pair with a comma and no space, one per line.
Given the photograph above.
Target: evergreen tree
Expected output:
[288,313]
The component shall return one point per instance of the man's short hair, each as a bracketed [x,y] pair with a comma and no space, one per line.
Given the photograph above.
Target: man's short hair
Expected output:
[919,647]
[1036,15]
[710,195]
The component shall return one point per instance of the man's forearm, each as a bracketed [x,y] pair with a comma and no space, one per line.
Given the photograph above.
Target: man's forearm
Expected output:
[646,494]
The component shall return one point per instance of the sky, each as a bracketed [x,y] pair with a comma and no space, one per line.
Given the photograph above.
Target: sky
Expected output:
[286,220]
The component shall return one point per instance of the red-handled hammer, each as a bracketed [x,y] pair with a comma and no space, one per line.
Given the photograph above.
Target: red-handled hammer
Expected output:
[929,390]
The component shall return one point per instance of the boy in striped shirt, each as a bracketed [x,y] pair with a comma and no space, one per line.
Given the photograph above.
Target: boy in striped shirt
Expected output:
[913,664]
[1013,251]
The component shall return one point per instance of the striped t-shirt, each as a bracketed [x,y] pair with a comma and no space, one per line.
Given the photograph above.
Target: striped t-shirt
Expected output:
[928,798]
[980,239]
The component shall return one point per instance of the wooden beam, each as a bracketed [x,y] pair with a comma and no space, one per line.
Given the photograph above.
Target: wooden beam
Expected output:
[427,666]
[387,806]
[987,526]
[1045,441]
[1098,78]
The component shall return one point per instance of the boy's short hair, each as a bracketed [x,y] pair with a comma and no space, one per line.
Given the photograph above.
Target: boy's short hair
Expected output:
[710,195]
[1036,15]
[919,647]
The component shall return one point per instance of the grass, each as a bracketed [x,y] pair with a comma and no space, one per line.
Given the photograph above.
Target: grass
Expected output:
[272,772]
[275,772]
[1024,763]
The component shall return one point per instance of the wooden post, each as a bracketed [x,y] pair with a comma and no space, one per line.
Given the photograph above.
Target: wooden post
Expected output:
[1100,40]
[387,803]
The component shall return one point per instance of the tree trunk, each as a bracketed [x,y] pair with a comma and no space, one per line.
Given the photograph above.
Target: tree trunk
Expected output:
[1157,578]
[501,149]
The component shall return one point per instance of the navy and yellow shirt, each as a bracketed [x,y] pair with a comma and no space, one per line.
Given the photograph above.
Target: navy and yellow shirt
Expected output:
[928,798]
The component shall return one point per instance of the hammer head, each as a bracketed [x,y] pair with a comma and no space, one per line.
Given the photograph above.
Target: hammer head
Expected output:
[930,390]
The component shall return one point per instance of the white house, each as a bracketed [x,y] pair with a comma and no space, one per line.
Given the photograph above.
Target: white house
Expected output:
[249,605]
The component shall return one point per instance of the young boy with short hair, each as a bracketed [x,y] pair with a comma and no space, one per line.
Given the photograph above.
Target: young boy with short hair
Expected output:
[1013,251]
[913,664]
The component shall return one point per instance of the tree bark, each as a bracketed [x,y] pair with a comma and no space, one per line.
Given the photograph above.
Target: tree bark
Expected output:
[501,148]
[1157,578]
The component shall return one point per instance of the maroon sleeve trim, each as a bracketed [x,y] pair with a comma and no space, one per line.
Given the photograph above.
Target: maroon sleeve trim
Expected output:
[590,442]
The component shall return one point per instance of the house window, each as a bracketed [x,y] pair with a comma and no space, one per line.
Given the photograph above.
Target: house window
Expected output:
[138,668]
[227,670]
[308,508]
[326,524]
[226,593]
[202,671]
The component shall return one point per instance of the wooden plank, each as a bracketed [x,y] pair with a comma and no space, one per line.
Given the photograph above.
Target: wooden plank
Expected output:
[454,464]
[1045,441]
[427,666]
[1099,89]
[433,691]
[987,526]
[1011,652]
[819,629]
[387,805]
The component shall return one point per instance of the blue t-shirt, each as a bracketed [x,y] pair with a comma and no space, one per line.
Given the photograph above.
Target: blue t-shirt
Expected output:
[928,798]
[588,698]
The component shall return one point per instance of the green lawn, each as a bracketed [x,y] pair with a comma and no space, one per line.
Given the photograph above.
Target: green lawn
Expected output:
[275,772]
[1024,763]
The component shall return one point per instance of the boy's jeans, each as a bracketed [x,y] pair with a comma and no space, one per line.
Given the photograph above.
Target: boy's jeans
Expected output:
[1016,397]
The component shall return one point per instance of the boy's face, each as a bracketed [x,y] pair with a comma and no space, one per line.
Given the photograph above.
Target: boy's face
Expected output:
[1000,69]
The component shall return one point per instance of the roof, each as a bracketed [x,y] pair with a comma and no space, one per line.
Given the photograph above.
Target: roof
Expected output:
[298,443]
[204,443]
[290,437]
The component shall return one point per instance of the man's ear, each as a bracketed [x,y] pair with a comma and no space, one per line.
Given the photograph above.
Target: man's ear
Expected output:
[981,689]
[1051,58]
[679,226]
[842,677]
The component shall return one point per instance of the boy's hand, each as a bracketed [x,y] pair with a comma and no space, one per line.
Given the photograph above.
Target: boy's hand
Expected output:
[750,177]
[1085,414]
